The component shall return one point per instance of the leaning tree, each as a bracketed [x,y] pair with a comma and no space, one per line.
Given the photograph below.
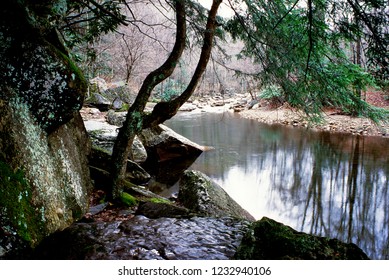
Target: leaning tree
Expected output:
[136,118]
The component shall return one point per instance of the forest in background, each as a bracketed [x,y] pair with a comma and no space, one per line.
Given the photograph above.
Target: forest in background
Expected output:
[132,51]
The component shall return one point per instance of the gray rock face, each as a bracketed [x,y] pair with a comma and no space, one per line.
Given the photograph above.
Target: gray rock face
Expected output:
[48,178]
[36,69]
[116,118]
[105,95]
[147,239]
[43,145]
[199,193]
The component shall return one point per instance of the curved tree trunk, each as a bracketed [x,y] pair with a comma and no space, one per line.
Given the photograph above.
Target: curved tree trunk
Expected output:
[136,120]
[165,110]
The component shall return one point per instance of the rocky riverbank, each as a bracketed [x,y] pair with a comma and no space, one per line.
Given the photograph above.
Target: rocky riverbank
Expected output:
[202,222]
[333,121]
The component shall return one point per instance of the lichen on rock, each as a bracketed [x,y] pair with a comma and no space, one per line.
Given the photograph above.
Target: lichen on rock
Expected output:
[45,179]
[36,65]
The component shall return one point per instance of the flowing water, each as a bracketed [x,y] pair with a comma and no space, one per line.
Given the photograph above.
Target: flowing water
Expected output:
[327,184]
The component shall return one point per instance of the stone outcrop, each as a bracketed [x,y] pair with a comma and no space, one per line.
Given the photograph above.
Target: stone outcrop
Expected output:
[44,178]
[36,68]
[270,240]
[168,153]
[160,151]
[200,194]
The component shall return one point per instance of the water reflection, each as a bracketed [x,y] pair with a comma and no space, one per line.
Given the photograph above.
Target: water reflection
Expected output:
[331,185]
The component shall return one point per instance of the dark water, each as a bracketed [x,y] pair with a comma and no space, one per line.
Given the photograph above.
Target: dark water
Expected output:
[332,185]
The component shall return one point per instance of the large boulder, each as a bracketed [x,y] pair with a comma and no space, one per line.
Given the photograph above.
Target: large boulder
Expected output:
[169,154]
[45,179]
[271,240]
[43,144]
[200,194]
[36,67]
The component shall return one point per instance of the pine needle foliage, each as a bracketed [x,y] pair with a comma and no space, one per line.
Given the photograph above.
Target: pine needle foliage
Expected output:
[302,46]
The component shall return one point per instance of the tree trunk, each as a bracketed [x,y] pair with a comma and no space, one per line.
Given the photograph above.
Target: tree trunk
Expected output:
[134,120]
[165,110]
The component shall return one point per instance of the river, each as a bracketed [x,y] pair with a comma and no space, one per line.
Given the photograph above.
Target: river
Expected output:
[327,184]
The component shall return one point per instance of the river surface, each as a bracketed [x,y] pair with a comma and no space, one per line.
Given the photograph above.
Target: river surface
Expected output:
[327,184]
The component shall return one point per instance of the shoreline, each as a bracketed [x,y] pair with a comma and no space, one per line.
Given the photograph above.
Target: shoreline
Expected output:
[332,121]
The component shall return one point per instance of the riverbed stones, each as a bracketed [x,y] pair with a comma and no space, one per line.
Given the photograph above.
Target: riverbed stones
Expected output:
[199,193]
[103,135]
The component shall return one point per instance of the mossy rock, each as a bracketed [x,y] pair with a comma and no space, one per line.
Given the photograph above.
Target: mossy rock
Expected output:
[270,240]
[200,194]
[128,199]
[22,218]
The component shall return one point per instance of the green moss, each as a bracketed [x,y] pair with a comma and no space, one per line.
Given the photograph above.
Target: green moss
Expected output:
[128,199]
[160,200]
[15,205]
[124,108]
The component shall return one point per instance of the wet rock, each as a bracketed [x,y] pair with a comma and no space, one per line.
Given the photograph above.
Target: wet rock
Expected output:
[146,239]
[270,240]
[199,193]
